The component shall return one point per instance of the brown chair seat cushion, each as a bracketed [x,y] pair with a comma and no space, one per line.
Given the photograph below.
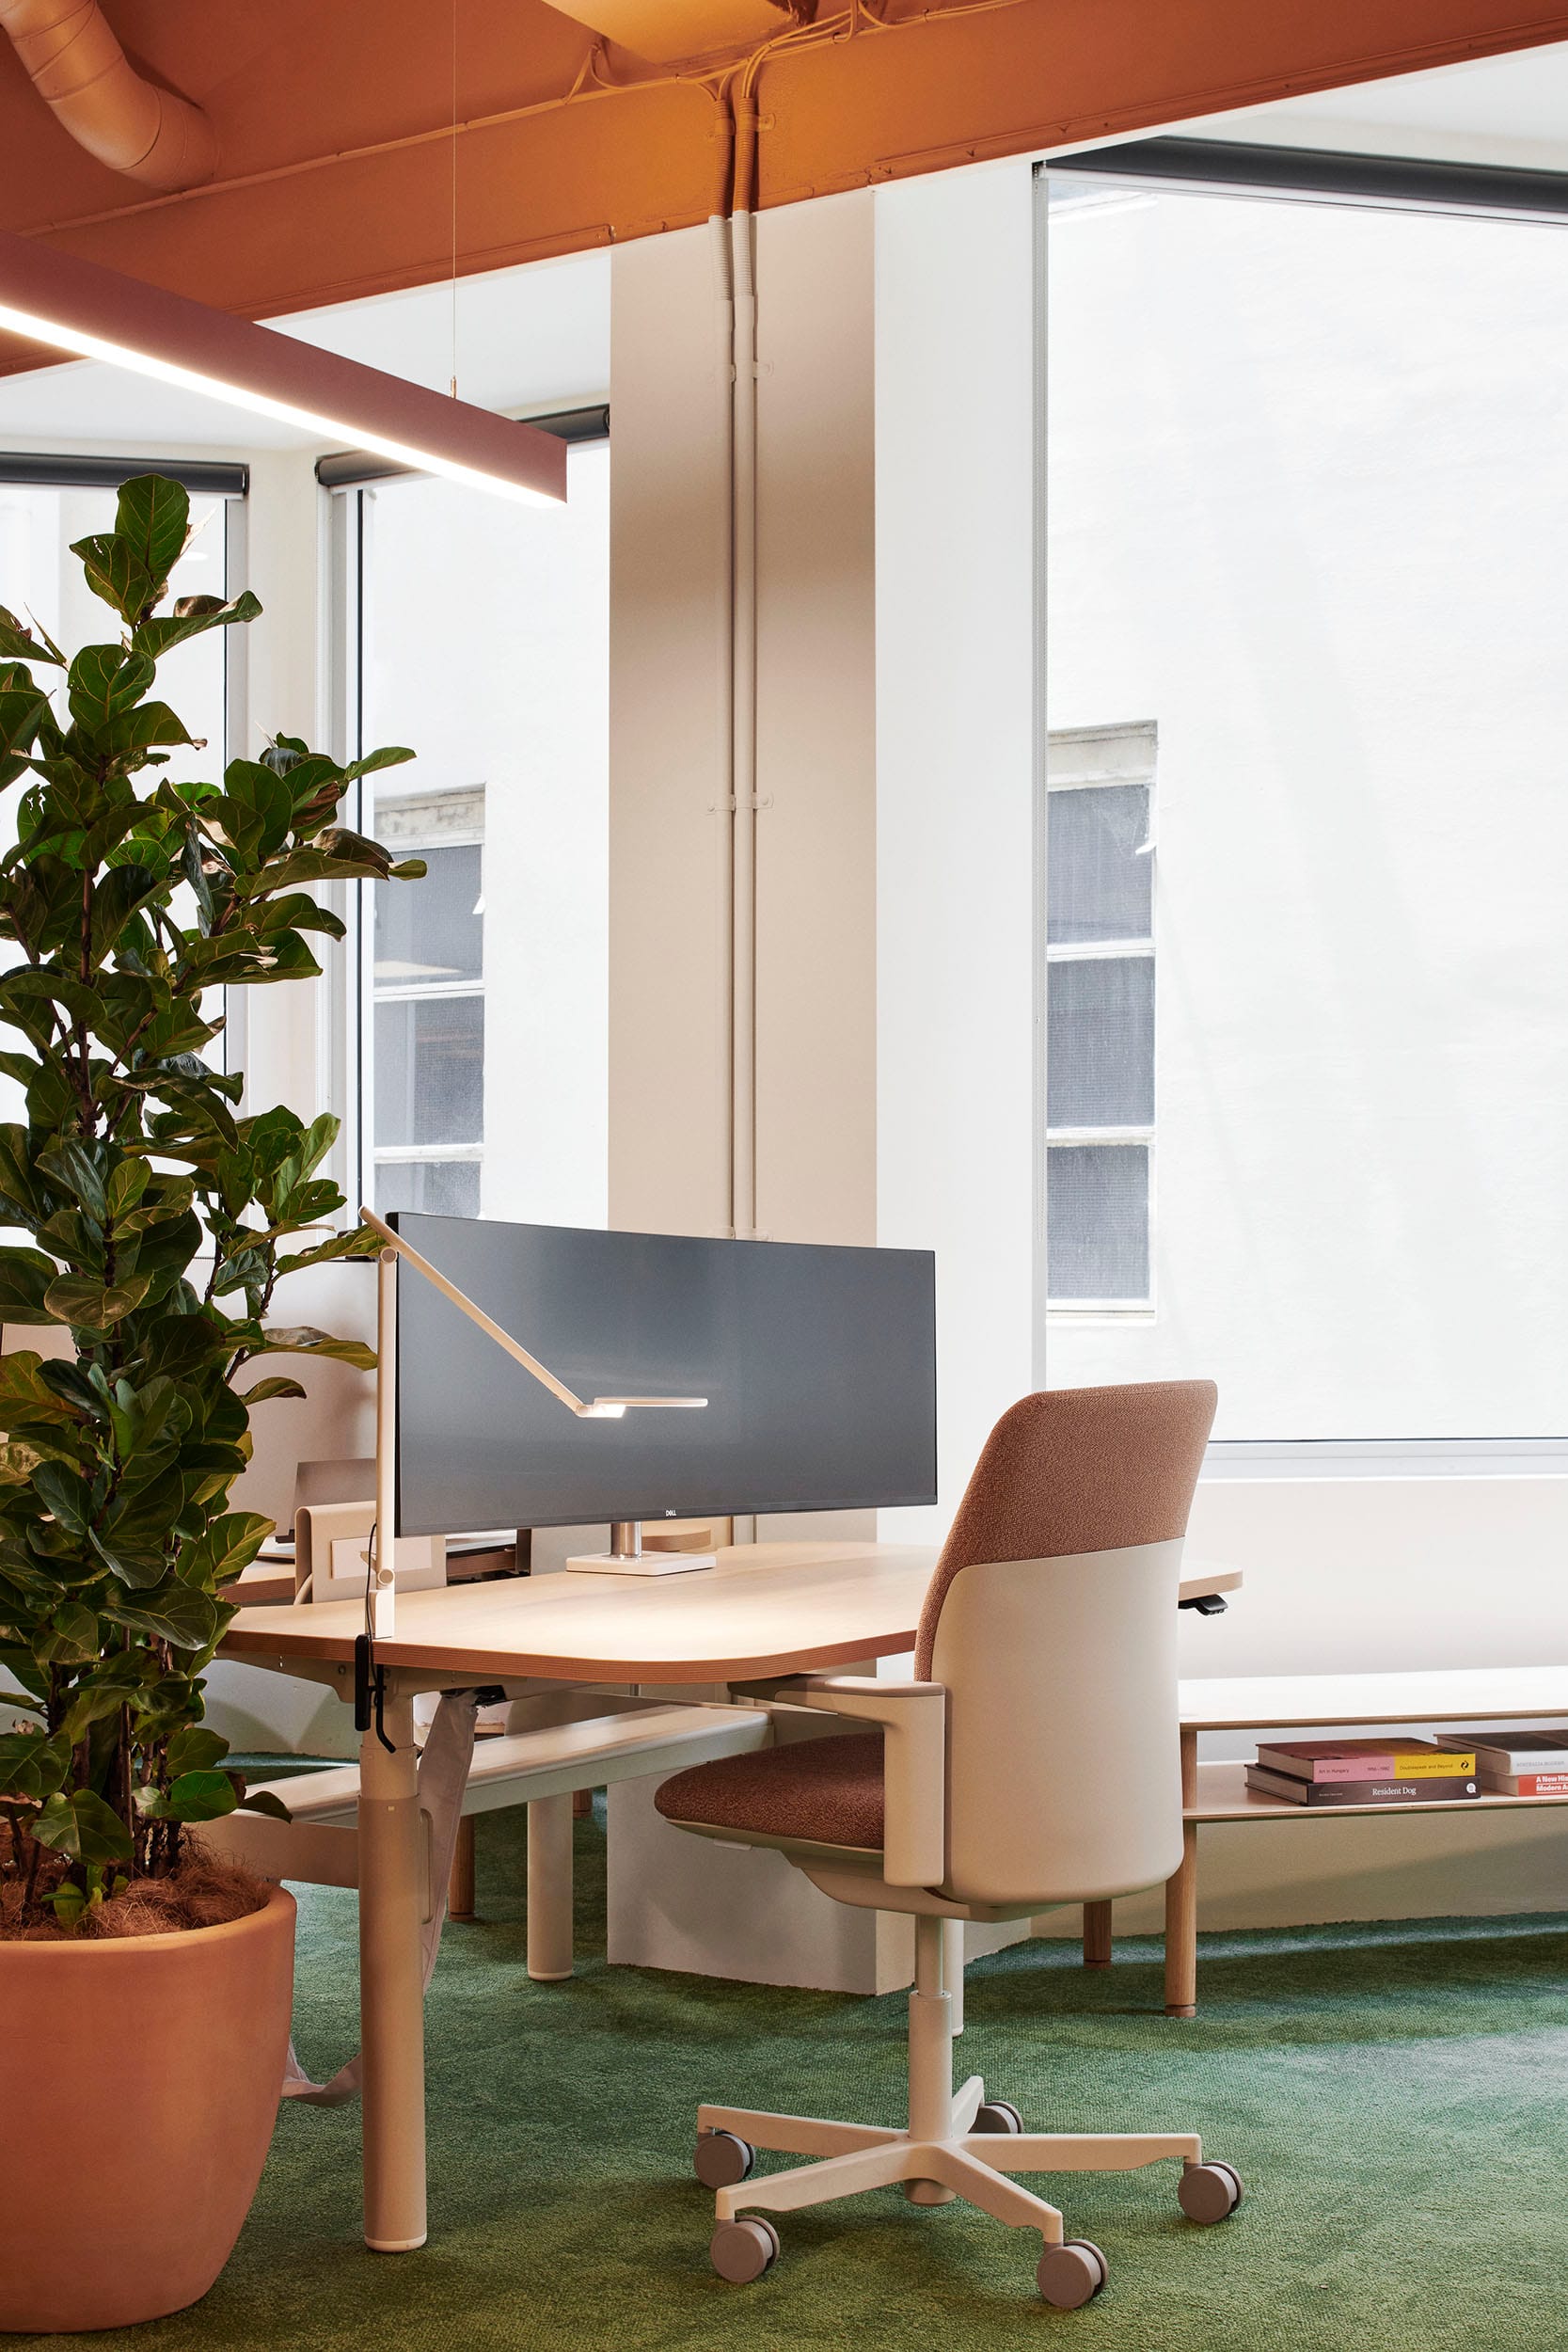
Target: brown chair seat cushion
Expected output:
[828,1791]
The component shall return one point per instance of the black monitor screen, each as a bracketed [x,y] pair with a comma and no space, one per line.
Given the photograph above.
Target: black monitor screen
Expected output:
[818,1365]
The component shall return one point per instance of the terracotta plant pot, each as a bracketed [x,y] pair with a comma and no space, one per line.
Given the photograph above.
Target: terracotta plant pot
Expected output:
[139,2081]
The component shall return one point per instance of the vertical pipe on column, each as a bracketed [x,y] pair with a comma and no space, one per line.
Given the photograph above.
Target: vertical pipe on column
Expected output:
[744,688]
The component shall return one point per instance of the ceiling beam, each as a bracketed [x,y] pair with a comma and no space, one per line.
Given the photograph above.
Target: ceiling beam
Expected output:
[332,183]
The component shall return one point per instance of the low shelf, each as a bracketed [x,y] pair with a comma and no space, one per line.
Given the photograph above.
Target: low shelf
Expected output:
[1223,1795]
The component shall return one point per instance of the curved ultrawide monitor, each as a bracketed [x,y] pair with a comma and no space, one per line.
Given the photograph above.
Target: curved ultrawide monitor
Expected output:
[818,1365]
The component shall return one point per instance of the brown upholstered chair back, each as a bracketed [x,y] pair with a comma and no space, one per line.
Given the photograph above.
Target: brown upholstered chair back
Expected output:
[1076,1469]
[1051,1621]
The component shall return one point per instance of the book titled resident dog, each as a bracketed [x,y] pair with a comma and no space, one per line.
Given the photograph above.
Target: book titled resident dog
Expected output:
[1321,1762]
[1425,1788]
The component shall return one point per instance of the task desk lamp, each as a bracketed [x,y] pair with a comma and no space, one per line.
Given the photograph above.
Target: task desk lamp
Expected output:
[625,1556]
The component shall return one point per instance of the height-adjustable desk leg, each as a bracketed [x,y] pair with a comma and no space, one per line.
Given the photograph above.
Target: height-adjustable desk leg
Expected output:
[393,1901]
[1182,1900]
[549,1889]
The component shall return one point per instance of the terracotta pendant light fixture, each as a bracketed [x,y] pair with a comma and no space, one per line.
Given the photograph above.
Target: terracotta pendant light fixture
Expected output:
[71,305]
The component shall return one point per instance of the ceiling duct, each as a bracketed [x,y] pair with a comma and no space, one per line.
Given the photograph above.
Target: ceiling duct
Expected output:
[79,69]
[667,31]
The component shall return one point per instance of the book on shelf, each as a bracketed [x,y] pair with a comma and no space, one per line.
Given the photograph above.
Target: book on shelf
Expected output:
[1324,1762]
[1420,1789]
[1513,1749]
[1526,1784]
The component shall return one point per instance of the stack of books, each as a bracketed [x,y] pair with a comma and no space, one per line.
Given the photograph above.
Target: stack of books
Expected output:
[1511,1762]
[1366,1772]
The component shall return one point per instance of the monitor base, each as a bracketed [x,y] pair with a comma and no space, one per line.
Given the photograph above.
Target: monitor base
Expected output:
[641,1563]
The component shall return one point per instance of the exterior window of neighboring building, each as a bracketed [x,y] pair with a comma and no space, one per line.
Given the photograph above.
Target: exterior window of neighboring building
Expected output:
[428,988]
[1100,1016]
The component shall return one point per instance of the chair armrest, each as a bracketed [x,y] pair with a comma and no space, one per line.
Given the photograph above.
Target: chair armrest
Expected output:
[913,1717]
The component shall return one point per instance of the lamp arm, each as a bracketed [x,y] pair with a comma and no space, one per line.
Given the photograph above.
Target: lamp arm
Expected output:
[475,1314]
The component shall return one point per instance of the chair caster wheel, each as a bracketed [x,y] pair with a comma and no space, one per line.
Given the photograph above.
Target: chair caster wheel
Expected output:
[1072,2275]
[723,2159]
[1209,2192]
[998,2115]
[742,2251]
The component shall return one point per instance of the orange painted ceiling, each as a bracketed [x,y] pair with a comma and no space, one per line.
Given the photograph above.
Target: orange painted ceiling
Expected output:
[334,120]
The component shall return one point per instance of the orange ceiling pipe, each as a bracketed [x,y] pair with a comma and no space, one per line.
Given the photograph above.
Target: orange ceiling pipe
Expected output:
[337,134]
[79,69]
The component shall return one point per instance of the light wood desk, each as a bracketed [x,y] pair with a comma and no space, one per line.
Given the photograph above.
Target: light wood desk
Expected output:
[764,1609]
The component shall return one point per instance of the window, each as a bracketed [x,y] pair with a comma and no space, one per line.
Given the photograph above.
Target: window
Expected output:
[1100,1016]
[1306,500]
[428,976]
[476,632]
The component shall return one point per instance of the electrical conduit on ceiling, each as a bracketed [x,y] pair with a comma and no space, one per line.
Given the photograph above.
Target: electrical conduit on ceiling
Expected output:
[81,72]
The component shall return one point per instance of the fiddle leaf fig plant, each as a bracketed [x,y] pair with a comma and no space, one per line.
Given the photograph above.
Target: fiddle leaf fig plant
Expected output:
[157,1220]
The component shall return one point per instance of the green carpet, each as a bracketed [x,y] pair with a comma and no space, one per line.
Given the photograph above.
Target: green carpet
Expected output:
[1396,2098]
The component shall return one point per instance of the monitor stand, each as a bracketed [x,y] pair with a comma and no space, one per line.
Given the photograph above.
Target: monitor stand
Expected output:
[626,1557]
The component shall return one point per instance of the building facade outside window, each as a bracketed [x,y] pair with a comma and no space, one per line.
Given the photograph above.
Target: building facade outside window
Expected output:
[428,1019]
[1099,1017]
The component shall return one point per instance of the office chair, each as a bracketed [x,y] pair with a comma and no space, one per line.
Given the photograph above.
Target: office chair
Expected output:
[1033,1761]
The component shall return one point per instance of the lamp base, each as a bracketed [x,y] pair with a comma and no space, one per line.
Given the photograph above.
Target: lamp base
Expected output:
[641,1563]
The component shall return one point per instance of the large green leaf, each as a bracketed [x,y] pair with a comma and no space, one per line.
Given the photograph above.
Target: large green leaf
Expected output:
[69,1497]
[154,516]
[71,1166]
[21,709]
[177,1614]
[195,1749]
[116,572]
[32,1764]
[191,616]
[77,1822]
[229,1544]
[105,679]
[17,644]
[25,1276]
[201,1797]
[141,728]
[303,1339]
[91,1305]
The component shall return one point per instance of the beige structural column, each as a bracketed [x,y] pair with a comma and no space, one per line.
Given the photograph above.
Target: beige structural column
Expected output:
[816,1113]
[668,743]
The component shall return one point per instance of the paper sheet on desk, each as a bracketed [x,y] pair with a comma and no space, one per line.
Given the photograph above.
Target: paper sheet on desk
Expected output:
[444,1764]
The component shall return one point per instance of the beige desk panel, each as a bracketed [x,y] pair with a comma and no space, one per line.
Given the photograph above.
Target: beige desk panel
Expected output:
[765,1609]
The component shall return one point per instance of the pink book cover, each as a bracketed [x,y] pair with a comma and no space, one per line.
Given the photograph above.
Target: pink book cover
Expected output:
[1336,1760]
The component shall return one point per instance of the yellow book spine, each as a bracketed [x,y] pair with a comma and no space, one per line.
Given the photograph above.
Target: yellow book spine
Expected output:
[1454,1764]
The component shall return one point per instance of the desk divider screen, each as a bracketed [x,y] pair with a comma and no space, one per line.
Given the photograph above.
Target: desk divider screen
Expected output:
[818,1364]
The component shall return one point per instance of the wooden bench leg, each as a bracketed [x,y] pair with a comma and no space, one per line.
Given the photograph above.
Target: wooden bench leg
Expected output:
[460,1889]
[1097,1936]
[582,1804]
[1182,1901]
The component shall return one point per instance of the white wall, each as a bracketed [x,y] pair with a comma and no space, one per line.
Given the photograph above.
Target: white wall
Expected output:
[954,635]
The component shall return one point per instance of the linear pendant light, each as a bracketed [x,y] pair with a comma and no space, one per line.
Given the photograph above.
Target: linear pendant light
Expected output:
[56,298]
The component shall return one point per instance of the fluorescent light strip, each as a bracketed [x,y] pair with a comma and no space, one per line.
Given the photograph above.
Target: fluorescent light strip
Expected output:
[71,305]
